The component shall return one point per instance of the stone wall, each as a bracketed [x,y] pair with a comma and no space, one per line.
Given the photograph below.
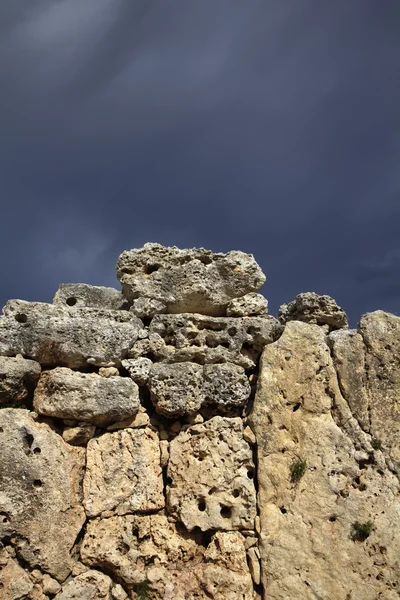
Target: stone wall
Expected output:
[148,453]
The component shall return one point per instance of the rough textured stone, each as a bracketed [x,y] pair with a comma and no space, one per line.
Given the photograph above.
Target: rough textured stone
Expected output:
[18,378]
[250,305]
[211,473]
[91,585]
[84,295]
[79,435]
[175,566]
[314,309]
[123,473]
[200,339]
[182,388]
[192,281]
[15,583]
[69,337]
[316,481]
[138,369]
[68,394]
[40,497]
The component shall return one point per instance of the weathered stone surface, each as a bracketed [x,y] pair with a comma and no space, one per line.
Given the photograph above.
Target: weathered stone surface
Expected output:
[316,482]
[201,339]
[146,308]
[175,566]
[18,378]
[68,394]
[91,585]
[250,305]
[182,388]
[15,583]
[192,281]
[40,496]
[84,295]
[138,369]
[314,309]
[123,473]
[55,335]
[211,473]
[79,435]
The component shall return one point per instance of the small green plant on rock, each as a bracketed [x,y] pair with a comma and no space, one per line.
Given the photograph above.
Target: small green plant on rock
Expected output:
[376,444]
[360,531]
[142,590]
[297,470]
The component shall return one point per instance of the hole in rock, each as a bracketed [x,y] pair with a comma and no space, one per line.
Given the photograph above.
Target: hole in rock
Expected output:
[296,406]
[332,518]
[283,510]
[250,473]
[236,493]
[71,301]
[201,506]
[206,260]
[151,269]
[168,480]
[226,512]
[37,483]
[1,430]
[21,318]
[36,451]
[232,331]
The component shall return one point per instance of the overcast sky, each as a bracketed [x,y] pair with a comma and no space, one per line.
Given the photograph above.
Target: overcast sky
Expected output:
[269,126]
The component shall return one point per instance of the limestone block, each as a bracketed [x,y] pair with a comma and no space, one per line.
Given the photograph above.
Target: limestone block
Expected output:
[123,473]
[138,369]
[84,295]
[18,378]
[201,339]
[317,486]
[149,552]
[250,305]
[192,281]
[211,474]
[225,385]
[40,500]
[90,585]
[55,335]
[68,394]
[311,308]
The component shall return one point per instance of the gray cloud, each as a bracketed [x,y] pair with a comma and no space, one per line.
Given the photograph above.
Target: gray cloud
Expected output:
[267,126]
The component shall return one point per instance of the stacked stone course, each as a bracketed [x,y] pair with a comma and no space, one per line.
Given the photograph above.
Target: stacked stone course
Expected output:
[144,454]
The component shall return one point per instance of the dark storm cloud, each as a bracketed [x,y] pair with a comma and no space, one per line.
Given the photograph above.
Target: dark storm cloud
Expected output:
[268,126]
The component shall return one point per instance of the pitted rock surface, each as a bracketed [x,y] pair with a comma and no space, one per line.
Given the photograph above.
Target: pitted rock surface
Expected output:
[68,337]
[151,549]
[192,281]
[308,521]
[84,295]
[211,474]
[18,378]
[40,498]
[250,305]
[123,473]
[311,308]
[67,394]
[183,388]
[201,339]
[90,585]
[138,369]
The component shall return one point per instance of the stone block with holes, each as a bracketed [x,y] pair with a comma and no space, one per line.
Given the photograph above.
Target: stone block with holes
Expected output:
[210,479]
[83,294]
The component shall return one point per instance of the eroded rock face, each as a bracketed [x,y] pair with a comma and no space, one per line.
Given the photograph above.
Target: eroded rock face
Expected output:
[70,337]
[18,378]
[328,506]
[201,339]
[84,295]
[150,553]
[250,305]
[314,309]
[68,394]
[211,473]
[187,281]
[90,585]
[123,473]
[40,500]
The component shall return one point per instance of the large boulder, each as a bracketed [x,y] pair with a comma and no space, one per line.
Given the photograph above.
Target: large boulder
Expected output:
[68,394]
[328,502]
[55,335]
[191,281]
[40,497]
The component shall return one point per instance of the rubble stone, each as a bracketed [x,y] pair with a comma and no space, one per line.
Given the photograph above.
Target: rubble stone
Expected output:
[123,473]
[191,281]
[68,394]
[250,305]
[138,369]
[311,308]
[91,585]
[79,435]
[18,378]
[68,337]
[211,474]
[84,295]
